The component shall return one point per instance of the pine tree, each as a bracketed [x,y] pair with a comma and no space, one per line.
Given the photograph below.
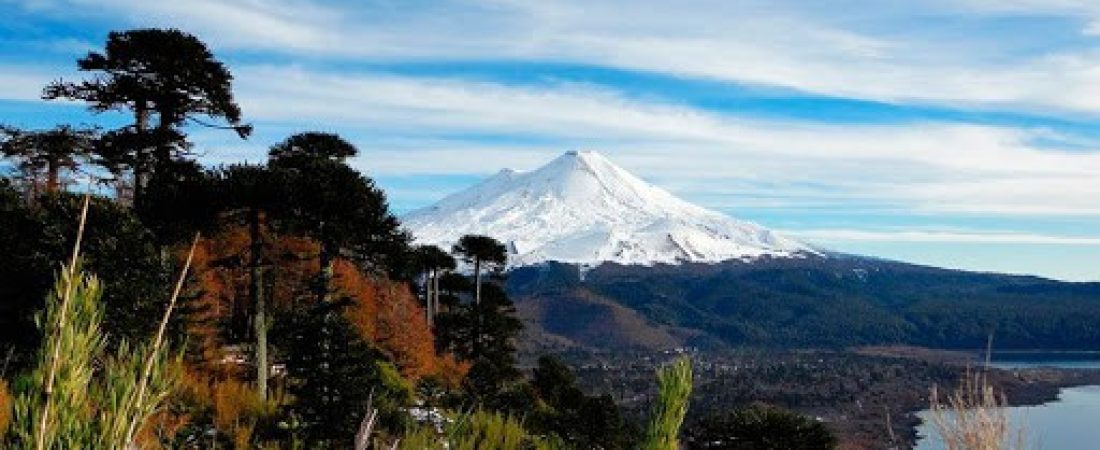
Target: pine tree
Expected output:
[46,153]
[432,262]
[480,251]
[248,194]
[336,206]
[164,74]
[333,387]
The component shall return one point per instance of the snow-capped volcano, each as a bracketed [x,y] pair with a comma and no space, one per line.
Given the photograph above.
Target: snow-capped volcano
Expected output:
[583,209]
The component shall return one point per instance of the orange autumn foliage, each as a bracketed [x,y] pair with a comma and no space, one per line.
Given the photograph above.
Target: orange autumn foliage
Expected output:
[222,305]
[384,311]
[5,407]
[389,316]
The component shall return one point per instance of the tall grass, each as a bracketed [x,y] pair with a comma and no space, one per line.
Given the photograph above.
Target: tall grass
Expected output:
[79,395]
[674,392]
[974,417]
[479,430]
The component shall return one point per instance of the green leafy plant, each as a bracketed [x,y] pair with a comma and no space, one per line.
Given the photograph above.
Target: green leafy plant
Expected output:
[674,392]
[79,395]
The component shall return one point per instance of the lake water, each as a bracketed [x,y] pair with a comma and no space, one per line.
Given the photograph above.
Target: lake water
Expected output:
[1070,423]
[1064,361]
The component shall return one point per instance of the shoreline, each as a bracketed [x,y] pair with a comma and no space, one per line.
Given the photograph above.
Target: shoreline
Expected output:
[1027,386]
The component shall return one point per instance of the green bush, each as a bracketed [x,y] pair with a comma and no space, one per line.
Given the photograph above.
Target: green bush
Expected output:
[674,392]
[759,427]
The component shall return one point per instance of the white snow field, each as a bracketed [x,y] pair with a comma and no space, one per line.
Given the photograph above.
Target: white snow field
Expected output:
[583,209]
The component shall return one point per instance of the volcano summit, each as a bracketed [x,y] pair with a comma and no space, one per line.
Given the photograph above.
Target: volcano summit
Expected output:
[583,209]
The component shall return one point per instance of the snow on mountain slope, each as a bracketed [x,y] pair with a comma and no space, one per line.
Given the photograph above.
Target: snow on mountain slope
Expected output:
[581,208]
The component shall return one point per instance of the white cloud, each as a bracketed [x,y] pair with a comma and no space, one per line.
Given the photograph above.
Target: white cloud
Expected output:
[929,167]
[874,55]
[841,235]
[23,83]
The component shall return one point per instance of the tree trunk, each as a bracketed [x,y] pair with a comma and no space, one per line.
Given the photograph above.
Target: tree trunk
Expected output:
[324,279]
[435,288]
[257,291]
[428,296]
[141,123]
[477,281]
[477,307]
[53,175]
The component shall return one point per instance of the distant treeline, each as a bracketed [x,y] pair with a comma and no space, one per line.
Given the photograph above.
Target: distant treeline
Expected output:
[832,302]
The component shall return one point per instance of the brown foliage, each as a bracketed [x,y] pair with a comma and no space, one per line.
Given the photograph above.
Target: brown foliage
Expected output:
[451,370]
[5,407]
[389,316]
[237,409]
[385,311]
[221,296]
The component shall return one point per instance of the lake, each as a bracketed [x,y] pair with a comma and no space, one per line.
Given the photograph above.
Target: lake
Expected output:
[1067,360]
[1070,423]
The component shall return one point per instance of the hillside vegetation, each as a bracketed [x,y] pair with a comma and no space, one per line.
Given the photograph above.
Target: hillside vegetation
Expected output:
[811,302]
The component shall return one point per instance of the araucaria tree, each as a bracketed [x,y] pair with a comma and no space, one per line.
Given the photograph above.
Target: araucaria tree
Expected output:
[483,330]
[166,78]
[248,193]
[336,206]
[481,251]
[46,154]
[432,262]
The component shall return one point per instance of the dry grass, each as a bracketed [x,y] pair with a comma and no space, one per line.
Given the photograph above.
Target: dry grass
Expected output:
[974,417]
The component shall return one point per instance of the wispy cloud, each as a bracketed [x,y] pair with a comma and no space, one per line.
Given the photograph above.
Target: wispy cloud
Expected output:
[23,83]
[837,235]
[924,166]
[344,66]
[800,45]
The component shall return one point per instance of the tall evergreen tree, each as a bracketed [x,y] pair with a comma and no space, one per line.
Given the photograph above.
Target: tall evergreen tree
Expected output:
[249,194]
[484,334]
[432,262]
[590,422]
[46,153]
[117,246]
[336,205]
[162,74]
[333,389]
[180,199]
[480,251]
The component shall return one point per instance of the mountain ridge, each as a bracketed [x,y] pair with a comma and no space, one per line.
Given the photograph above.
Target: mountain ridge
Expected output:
[813,302]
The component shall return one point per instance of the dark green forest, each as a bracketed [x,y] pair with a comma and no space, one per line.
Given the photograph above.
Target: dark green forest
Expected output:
[831,302]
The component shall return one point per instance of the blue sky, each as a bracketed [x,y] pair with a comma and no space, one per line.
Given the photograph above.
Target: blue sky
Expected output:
[958,133]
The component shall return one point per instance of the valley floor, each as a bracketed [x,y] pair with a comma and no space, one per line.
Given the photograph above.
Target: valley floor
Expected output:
[867,396]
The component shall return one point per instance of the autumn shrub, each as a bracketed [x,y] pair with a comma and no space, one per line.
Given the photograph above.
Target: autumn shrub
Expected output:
[5,407]
[238,410]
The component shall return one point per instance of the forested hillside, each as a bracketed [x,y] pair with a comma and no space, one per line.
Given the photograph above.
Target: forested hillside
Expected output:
[835,301]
